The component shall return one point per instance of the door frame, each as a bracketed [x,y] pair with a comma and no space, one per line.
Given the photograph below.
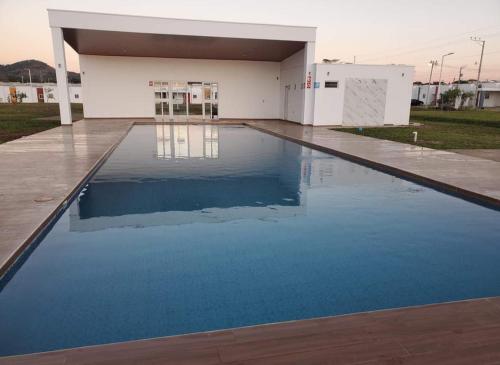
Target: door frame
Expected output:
[159,86]
[286,101]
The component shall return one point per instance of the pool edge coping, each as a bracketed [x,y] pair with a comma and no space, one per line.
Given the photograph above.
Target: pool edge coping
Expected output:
[270,324]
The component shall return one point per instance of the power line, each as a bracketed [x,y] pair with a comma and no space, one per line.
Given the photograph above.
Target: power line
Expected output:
[458,35]
[416,50]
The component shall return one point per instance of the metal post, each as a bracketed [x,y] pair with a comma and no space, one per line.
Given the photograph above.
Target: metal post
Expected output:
[31,86]
[460,76]
[478,40]
[433,63]
[440,74]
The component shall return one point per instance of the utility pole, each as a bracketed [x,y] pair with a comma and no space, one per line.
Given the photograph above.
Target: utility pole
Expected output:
[460,76]
[354,62]
[479,41]
[440,74]
[432,63]
[31,85]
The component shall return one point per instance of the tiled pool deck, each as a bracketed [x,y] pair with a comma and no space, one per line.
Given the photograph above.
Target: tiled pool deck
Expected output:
[465,332]
[40,172]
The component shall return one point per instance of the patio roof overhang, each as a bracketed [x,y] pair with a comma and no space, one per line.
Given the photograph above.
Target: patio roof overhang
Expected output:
[106,43]
[138,36]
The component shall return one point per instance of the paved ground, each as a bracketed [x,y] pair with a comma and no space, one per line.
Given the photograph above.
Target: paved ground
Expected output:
[471,176]
[40,171]
[75,117]
[492,154]
[455,333]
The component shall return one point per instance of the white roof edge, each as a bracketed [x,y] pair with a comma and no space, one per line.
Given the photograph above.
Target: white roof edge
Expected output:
[157,25]
[194,20]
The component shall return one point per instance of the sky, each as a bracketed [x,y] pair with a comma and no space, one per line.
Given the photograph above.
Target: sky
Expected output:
[373,31]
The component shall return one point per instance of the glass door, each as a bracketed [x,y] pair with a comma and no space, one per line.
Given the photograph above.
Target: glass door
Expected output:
[162,100]
[195,100]
[210,100]
[179,100]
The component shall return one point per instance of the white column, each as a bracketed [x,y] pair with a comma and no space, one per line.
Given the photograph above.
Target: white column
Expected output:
[61,76]
[308,108]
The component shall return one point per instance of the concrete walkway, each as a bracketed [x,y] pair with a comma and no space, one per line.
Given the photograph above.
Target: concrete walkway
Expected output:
[489,154]
[39,172]
[473,177]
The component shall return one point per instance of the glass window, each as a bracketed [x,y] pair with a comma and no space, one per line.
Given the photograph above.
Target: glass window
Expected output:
[165,106]
[332,84]
[206,92]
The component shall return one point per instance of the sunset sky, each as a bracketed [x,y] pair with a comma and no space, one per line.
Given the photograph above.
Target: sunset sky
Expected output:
[375,31]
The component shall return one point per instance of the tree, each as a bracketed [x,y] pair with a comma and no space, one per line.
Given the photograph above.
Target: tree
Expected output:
[449,97]
[20,97]
[464,97]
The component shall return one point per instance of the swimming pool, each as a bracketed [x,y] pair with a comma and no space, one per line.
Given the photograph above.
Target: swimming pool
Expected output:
[195,228]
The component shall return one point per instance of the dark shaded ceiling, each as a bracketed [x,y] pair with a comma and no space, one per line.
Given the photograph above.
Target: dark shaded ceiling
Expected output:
[107,43]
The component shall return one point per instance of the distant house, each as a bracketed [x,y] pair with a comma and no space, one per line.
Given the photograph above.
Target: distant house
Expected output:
[16,92]
[489,93]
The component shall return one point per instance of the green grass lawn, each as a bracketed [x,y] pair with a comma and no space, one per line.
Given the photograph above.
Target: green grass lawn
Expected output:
[443,129]
[18,120]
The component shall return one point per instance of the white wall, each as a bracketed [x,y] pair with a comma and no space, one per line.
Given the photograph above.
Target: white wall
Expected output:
[49,89]
[292,74]
[493,100]
[4,94]
[329,102]
[119,86]
[425,89]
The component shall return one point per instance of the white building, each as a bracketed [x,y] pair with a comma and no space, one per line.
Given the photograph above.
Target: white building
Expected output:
[489,93]
[489,96]
[144,67]
[11,92]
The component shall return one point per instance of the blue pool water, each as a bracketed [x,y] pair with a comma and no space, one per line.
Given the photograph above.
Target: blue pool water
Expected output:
[188,229]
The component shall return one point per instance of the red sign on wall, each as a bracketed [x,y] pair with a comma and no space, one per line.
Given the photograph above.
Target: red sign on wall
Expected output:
[309,81]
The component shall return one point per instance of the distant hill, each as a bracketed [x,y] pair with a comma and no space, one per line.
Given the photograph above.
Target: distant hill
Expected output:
[40,72]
